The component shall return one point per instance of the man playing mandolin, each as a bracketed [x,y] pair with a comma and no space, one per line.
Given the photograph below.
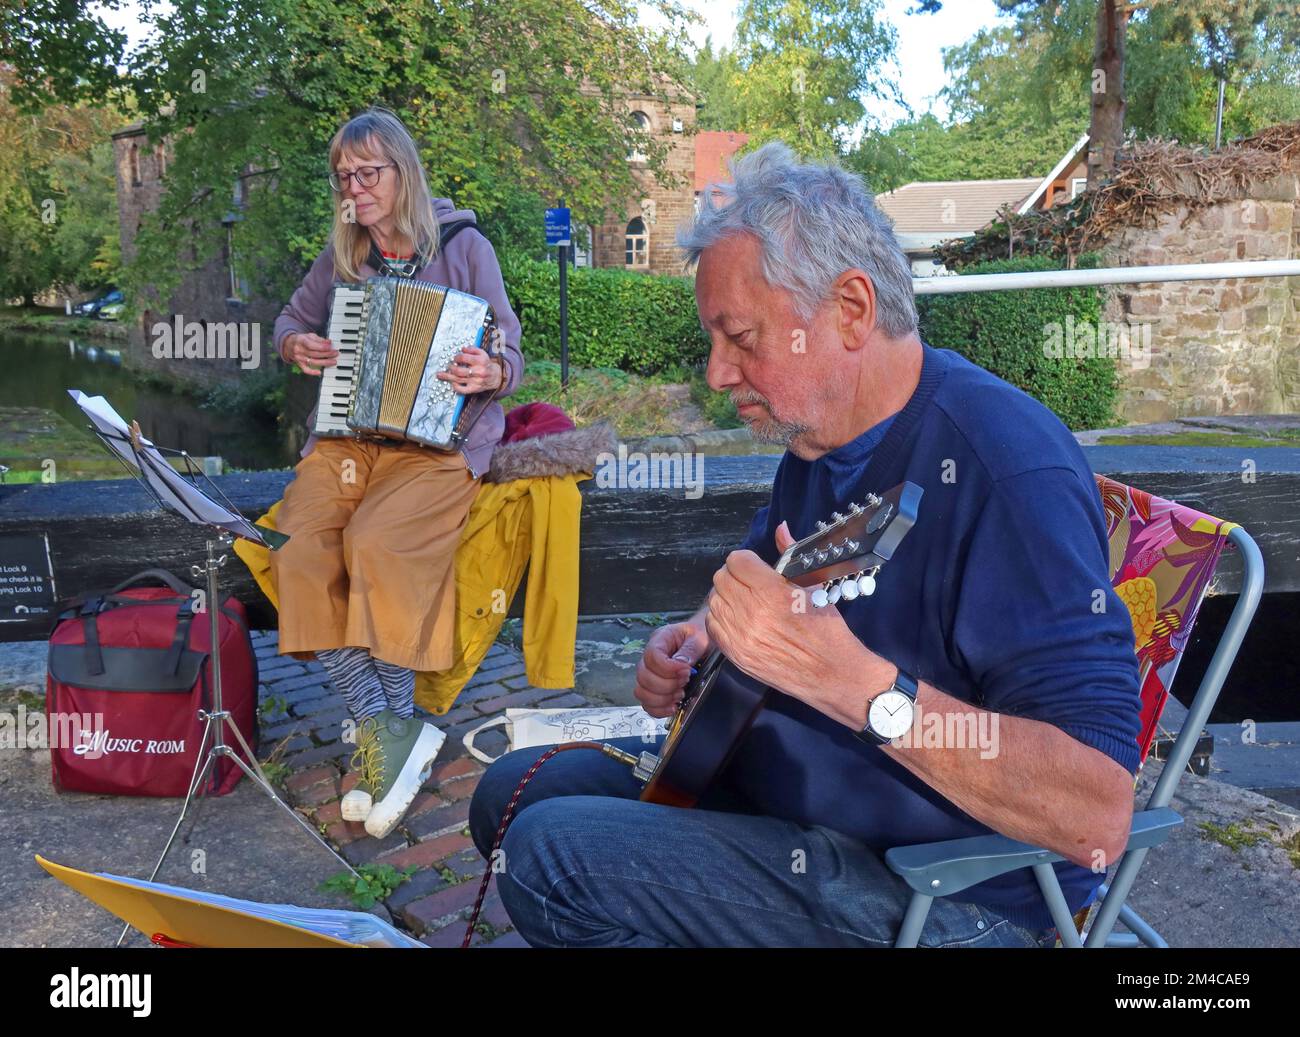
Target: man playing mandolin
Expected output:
[995,610]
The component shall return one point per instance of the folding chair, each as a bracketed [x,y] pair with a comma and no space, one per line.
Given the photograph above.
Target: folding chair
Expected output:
[1162,559]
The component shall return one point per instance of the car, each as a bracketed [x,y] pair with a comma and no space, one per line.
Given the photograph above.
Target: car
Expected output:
[91,307]
[111,311]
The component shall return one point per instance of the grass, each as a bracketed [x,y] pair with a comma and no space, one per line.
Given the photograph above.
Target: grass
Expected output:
[1283,437]
[716,406]
[636,405]
[1241,834]
[1233,835]
[1292,847]
[37,318]
[31,435]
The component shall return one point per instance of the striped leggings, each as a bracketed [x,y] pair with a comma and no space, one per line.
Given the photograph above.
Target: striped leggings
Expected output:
[368,684]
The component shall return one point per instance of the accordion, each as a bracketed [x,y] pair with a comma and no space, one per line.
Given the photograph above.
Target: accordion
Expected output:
[393,336]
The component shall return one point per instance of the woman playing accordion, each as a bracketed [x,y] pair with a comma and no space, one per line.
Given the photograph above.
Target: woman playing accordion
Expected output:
[367,581]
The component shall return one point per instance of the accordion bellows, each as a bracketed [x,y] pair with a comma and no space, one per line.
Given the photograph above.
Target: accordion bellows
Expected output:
[393,337]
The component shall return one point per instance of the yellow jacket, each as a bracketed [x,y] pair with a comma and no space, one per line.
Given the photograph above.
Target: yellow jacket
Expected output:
[525,522]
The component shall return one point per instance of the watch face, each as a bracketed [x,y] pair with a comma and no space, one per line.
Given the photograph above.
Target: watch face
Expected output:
[890,715]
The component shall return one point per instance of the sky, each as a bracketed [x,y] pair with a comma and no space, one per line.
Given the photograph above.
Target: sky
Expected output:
[921,39]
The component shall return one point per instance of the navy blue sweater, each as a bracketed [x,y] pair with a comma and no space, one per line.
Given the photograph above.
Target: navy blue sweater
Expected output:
[995,597]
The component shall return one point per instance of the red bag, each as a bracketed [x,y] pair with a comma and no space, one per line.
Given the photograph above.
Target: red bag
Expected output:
[128,672]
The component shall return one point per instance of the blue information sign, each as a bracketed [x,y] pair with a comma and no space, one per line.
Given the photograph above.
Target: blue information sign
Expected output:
[557,227]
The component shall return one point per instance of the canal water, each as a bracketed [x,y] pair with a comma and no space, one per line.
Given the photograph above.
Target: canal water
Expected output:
[38,370]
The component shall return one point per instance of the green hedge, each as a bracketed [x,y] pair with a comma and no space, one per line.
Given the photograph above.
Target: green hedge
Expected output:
[1006,332]
[635,322]
[644,323]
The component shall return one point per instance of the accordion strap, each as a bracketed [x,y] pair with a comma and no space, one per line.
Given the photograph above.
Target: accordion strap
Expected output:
[447,232]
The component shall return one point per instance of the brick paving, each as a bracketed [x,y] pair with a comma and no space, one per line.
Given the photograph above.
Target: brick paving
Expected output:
[301,725]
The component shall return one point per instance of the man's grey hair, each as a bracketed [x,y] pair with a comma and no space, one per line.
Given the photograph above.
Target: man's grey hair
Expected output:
[813,222]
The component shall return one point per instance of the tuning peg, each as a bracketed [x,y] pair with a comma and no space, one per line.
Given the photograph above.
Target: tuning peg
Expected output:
[866,583]
[822,527]
[837,516]
[855,508]
[849,589]
[819,598]
[873,501]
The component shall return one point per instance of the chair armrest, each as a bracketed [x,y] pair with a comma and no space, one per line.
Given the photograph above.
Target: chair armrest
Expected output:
[941,869]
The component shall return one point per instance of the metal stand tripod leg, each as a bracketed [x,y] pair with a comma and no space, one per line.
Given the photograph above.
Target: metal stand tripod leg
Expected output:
[215,722]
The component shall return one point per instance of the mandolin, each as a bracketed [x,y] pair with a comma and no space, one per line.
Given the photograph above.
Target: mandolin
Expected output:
[840,562]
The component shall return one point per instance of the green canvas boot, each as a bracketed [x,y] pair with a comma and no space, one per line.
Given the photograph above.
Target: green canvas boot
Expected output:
[396,757]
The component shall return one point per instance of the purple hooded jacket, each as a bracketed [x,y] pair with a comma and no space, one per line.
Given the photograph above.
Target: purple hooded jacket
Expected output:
[469,264]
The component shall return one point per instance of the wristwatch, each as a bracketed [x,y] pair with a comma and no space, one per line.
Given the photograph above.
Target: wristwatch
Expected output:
[890,712]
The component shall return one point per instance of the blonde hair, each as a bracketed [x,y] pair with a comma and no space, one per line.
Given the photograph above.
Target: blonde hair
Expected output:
[380,132]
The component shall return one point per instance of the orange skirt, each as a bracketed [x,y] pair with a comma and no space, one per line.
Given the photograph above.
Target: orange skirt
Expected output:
[370,562]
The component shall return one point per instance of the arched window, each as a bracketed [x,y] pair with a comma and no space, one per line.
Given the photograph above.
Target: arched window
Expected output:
[161,154]
[636,245]
[135,164]
[642,122]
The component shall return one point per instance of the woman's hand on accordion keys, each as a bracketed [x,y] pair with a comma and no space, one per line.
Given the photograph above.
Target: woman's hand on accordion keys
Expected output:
[311,352]
[473,370]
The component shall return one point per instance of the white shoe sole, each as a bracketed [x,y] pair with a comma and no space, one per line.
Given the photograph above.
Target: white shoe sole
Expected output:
[356,805]
[385,814]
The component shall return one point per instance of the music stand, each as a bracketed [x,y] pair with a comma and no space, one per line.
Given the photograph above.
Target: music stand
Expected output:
[180,494]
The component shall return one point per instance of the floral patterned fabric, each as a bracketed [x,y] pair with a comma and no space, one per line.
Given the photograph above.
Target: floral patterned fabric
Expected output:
[1162,558]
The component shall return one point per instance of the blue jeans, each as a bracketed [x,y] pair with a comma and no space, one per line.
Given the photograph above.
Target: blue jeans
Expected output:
[586,864]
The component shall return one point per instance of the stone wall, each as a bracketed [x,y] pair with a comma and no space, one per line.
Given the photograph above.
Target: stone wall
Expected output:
[205,295]
[1216,347]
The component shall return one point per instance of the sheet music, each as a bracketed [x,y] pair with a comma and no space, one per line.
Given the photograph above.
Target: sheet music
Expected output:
[172,488]
[350,926]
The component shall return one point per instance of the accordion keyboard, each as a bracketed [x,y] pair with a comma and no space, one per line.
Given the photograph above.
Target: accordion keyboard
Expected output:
[344,333]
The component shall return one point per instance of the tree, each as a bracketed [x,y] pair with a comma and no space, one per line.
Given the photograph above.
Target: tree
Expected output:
[801,71]
[714,80]
[527,98]
[58,209]
[807,68]
[1002,124]
[1191,39]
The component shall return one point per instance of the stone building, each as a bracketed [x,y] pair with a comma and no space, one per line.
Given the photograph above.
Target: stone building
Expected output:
[641,237]
[210,301]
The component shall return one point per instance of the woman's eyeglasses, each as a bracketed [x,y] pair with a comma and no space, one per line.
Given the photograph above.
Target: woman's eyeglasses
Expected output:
[366,176]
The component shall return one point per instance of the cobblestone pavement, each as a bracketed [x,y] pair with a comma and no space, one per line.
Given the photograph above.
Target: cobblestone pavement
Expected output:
[1228,877]
[302,728]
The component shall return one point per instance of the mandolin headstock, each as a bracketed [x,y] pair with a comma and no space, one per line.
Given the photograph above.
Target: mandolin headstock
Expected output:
[853,546]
